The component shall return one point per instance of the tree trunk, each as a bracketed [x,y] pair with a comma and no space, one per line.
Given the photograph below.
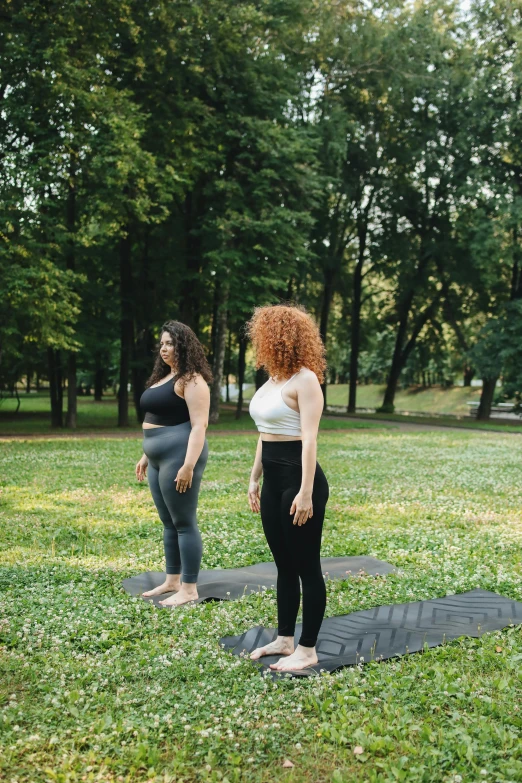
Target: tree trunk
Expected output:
[143,350]
[72,402]
[143,347]
[126,329]
[190,307]
[486,398]
[37,386]
[216,301]
[241,362]
[219,353]
[325,315]
[28,382]
[388,403]
[355,338]
[469,374]
[98,383]
[516,275]
[17,397]
[400,354]
[227,365]
[55,387]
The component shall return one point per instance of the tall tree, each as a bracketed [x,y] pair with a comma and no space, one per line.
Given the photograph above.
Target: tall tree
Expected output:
[497,131]
[428,102]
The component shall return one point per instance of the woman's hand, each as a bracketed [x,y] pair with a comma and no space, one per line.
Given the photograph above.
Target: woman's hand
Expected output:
[141,468]
[184,478]
[254,497]
[302,508]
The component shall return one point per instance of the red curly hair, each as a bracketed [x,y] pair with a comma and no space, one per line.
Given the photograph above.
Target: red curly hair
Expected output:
[285,338]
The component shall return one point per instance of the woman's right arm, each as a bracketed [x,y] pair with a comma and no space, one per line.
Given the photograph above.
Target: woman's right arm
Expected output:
[141,468]
[253,488]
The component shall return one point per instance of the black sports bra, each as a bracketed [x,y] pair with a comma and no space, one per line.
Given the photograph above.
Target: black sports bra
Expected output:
[162,406]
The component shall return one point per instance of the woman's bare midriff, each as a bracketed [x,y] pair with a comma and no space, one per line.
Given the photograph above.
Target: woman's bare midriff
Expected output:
[267,436]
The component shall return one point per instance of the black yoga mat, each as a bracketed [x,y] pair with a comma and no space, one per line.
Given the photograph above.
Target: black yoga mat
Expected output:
[389,631]
[231,583]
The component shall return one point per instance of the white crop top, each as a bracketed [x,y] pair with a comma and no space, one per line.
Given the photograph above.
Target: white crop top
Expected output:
[272,415]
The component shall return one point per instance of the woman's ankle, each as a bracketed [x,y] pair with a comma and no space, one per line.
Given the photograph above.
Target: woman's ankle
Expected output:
[306,650]
[189,587]
[286,641]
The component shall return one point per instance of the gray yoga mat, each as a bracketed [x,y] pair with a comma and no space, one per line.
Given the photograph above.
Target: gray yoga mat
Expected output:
[389,631]
[231,583]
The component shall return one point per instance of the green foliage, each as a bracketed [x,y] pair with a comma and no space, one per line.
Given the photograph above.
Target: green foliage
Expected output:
[38,309]
[363,160]
[499,350]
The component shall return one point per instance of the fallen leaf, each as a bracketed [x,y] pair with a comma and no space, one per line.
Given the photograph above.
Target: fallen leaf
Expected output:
[358,750]
[498,649]
[287,764]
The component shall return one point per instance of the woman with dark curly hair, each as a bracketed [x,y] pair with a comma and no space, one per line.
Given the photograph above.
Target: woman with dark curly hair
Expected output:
[287,410]
[175,406]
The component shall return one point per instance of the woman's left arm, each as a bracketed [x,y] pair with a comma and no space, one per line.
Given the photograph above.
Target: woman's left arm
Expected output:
[310,401]
[197,396]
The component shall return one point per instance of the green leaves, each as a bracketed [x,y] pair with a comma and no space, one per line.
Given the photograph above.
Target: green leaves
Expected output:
[364,161]
[39,309]
[499,350]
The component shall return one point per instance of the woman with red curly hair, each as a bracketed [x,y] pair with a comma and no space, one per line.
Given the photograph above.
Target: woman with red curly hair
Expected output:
[287,410]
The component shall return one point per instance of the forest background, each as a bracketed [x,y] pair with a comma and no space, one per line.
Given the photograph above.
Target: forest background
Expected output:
[191,160]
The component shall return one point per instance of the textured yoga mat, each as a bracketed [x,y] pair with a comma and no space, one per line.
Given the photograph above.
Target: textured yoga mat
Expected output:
[389,631]
[232,583]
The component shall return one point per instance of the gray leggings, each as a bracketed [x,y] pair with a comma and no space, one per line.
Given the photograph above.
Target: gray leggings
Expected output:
[166,448]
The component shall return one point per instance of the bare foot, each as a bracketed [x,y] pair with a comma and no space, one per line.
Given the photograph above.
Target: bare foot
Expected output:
[186,594]
[302,658]
[167,587]
[283,645]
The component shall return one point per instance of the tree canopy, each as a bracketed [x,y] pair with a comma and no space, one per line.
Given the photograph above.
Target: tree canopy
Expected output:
[191,160]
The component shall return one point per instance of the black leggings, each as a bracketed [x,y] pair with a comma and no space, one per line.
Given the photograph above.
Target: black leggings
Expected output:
[296,550]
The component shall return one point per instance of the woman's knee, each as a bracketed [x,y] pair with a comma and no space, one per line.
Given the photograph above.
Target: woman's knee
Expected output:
[287,574]
[186,525]
[167,522]
[311,574]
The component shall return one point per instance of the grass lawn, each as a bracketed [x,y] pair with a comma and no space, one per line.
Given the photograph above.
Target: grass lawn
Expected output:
[98,686]
[436,399]
[33,418]
[433,400]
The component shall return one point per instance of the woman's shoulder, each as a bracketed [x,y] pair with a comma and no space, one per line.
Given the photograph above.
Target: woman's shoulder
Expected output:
[195,381]
[306,376]
[194,377]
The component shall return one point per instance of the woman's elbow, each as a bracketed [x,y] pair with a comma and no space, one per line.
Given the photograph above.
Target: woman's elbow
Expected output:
[309,439]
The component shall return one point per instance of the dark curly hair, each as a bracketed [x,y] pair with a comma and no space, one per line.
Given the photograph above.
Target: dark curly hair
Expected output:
[189,356]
